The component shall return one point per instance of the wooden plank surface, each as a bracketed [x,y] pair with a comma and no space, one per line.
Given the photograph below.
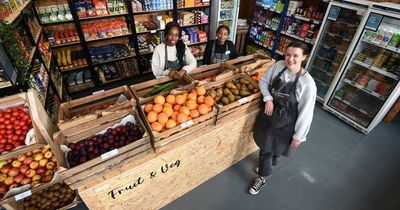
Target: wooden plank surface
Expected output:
[175,171]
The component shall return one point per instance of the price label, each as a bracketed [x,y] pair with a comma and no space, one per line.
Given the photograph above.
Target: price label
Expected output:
[153,31]
[23,195]
[243,100]
[187,124]
[109,154]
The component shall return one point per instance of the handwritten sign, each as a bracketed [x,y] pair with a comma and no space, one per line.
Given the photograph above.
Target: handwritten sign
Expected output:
[187,124]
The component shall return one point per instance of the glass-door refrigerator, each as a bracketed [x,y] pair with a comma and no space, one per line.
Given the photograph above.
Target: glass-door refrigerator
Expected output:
[334,40]
[224,12]
[368,84]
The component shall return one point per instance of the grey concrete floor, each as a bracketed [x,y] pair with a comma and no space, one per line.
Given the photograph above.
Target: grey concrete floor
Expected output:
[337,168]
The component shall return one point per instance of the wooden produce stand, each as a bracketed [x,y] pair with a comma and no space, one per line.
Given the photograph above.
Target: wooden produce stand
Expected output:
[152,182]
[212,72]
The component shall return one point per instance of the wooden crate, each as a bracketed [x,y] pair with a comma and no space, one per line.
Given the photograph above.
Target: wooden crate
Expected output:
[240,63]
[141,90]
[41,123]
[224,111]
[97,164]
[212,72]
[163,138]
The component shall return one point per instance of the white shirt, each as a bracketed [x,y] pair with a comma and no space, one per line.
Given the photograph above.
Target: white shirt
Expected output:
[306,93]
[158,60]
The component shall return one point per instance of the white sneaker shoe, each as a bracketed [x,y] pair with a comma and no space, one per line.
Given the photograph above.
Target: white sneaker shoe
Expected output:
[258,183]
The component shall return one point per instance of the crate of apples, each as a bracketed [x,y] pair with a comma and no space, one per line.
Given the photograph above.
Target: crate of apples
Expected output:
[31,168]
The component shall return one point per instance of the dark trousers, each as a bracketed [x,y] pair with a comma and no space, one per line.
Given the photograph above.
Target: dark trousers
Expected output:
[265,163]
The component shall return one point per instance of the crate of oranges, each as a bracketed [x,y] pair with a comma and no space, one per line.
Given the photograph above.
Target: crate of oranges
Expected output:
[178,114]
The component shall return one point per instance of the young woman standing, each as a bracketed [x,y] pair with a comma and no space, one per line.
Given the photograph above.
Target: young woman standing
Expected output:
[221,49]
[289,94]
[173,58]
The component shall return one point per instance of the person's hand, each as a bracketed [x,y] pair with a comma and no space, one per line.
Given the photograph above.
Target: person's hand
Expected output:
[295,143]
[269,107]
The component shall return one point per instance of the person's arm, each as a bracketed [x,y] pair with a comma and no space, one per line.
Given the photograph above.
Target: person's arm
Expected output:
[157,66]
[207,53]
[191,62]
[233,53]
[305,112]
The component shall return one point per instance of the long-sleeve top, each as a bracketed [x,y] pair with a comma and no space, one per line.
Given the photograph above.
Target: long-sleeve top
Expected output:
[306,93]
[158,60]
[219,49]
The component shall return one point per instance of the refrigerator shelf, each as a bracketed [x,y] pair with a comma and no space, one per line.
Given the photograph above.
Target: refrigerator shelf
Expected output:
[297,37]
[264,25]
[311,20]
[349,104]
[380,71]
[337,51]
[326,59]
[337,35]
[324,71]
[322,83]
[373,93]
[388,47]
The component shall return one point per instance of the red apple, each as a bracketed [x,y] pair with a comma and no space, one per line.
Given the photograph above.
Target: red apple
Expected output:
[28,160]
[38,156]
[30,173]
[22,157]
[9,180]
[3,177]
[13,172]
[50,165]
[47,178]
[18,178]
[43,162]
[6,168]
[48,154]
[40,170]
[16,164]
[36,151]
[34,164]
[14,185]
[36,177]
[3,189]
[26,180]
[24,168]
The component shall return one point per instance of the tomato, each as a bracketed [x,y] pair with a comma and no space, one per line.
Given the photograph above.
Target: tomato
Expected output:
[13,119]
[2,126]
[15,138]
[24,133]
[18,143]
[3,141]
[25,127]
[17,127]
[8,147]
[2,145]
[8,110]
[2,119]
[7,115]
[9,131]
[22,123]
[7,122]
[21,138]
[15,114]
[26,117]
[2,131]
[9,127]
[18,132]
[10,136]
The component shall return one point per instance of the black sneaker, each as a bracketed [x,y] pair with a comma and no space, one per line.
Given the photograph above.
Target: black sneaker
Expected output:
[258,183]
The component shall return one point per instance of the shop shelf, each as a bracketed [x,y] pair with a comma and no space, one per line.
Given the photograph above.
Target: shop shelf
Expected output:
[107,38]
[338,51]
[146,53]
[337,35]
[324,71]
[56,23]
[349,104]
[194,7]
[193,25]
[13,16]
[326,59]
[297,37]
[225,19]
[262,45]
[321,82]
[151,31]
[73,69]
[264,25]
[300,17]
[370,92]
[151,11]
[279,52]
[268,9]
[391,48]
[378,70]
[111,81]
[114,60]
[66,44]
[103,17]
[198,43]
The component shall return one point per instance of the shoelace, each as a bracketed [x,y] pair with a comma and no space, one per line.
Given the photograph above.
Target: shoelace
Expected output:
[258,184]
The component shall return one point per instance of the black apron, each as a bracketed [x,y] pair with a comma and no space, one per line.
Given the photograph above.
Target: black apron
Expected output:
[275,133]
[219,57]
[171,65]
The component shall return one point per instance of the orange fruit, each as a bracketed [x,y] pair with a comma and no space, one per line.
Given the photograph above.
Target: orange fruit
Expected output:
[157,108]
[200,99]
[171,99]
[180,99]
[174,115]
[192,96]
[159,99]
[168,110]
[194,113]
[177,107]
[162,118]
[167,105]
[203,109]
[184,110]
[201,91]
[191,105]
[181,118]
[156,126]
[185,95]
[148,108]
[152,116]
[170,124]
[209,101]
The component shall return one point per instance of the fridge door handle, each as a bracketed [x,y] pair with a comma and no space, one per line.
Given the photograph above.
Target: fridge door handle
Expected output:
[341,63]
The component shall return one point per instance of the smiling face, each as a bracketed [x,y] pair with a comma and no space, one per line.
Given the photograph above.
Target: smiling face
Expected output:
[222,35]
[293,58]
[173,36]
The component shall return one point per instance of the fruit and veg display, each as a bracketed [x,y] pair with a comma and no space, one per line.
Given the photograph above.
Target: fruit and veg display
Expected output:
[232,91]
[15,123]
[34,167]
[170,111]
[262,64]
[112,138]
[162,88]
[257,76]
[53,197]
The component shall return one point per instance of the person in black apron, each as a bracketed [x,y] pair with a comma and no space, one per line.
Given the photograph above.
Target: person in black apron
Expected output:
[221,49]
[182,63]
[275,126]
